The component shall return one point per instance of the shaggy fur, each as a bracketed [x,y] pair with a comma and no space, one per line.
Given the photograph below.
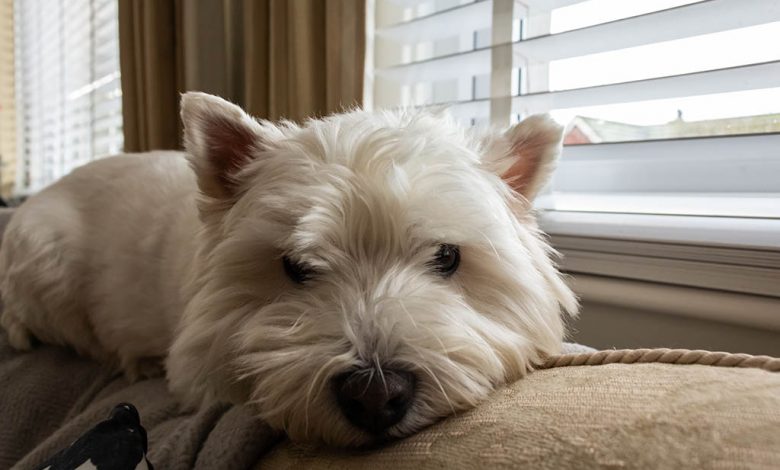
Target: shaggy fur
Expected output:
[138,258]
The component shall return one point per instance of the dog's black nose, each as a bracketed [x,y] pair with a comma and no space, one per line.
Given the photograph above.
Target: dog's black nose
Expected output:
[374,400]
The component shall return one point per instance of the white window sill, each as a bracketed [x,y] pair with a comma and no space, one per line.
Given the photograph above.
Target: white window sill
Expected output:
[732,232]
[740,255]
[736,205]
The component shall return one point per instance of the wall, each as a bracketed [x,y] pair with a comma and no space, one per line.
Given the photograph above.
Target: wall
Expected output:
[7,100]
[678,319]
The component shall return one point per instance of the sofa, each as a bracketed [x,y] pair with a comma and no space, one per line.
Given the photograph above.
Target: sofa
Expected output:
[645,408]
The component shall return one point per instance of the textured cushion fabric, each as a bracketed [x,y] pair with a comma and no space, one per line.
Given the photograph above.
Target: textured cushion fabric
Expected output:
[644,416]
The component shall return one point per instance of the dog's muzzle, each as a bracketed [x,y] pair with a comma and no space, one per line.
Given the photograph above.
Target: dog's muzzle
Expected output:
[374,400]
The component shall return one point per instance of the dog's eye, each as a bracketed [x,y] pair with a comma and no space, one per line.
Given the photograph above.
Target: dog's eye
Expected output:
[298,272]
[446,260]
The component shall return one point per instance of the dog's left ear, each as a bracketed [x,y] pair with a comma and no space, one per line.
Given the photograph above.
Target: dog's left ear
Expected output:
[220,139]
[529,154]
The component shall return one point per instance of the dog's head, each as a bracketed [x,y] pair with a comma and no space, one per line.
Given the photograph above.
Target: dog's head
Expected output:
[363,275]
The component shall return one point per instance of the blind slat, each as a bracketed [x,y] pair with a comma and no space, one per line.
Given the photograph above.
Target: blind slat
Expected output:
[539,4]
[547,5]
[478,109]
[468,17]
[667,203]
[710,16]
[749,77]
[475,62]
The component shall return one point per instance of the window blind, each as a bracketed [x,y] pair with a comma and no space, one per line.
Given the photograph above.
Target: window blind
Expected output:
[68,90]
[671,107]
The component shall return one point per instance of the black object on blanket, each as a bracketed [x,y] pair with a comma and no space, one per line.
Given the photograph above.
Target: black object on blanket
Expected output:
[118,443]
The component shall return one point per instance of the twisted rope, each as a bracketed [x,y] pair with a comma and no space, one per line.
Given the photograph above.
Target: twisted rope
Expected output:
[663,356]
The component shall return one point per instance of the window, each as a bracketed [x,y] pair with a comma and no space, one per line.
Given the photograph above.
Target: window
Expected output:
[671,110]
[68,98]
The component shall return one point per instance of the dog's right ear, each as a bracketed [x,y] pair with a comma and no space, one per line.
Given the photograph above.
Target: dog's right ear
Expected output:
[527,154]
[220,139]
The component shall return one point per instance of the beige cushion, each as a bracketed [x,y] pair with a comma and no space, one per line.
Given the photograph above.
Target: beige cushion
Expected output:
[661,416]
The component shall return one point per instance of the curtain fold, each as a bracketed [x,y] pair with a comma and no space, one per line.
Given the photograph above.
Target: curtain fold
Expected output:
[150,61]
[279,59]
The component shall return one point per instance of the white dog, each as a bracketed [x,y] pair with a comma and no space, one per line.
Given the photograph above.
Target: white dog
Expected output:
[353,279]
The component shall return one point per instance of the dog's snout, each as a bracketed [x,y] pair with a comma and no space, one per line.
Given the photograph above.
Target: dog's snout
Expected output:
[374,400]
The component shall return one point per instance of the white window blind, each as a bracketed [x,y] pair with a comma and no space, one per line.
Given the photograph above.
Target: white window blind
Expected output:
[671,107]
[68,92]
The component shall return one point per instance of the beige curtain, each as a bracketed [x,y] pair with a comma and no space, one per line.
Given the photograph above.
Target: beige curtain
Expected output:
[303,57]
[151,64]
[277,58]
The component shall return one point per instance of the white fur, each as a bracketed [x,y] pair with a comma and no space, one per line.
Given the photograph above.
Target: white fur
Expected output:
[126,260]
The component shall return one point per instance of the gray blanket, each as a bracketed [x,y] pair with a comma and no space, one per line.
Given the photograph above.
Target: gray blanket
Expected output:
[50,397]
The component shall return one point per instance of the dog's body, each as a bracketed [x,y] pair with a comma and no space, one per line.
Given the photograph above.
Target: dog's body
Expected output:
[97,260]
[353,279]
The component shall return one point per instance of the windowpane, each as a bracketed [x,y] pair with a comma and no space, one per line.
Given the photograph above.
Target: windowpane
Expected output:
[743,112]
[67,87]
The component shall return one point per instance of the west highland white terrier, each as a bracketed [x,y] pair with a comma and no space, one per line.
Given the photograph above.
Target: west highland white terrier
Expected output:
[352,279]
